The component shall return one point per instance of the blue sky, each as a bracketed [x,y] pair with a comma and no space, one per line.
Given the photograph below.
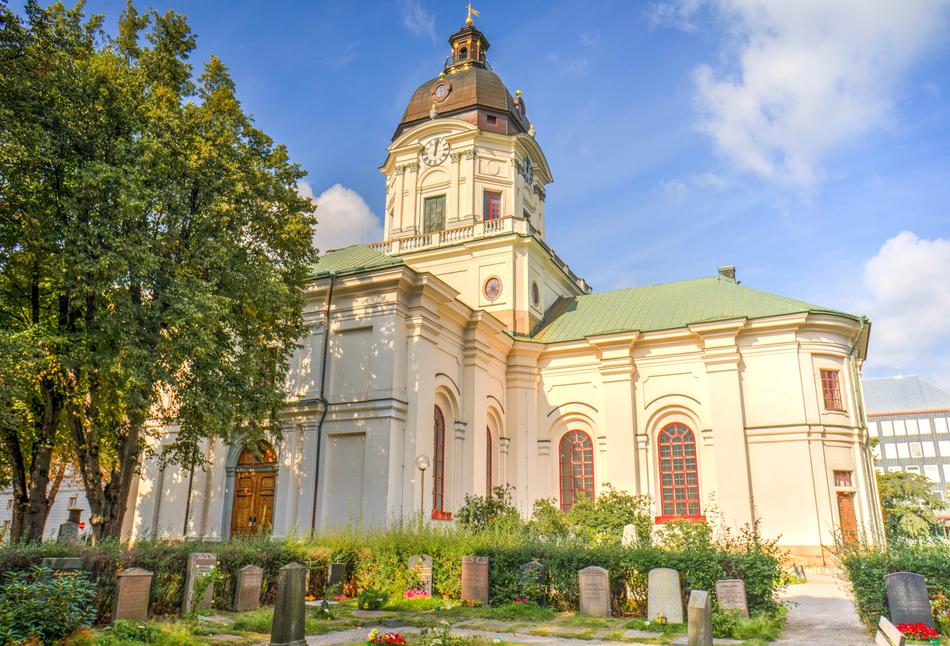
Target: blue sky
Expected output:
[807,143]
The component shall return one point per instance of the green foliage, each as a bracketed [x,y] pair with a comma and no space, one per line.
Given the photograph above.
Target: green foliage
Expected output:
[36,604]
[603,519]
[154,249]
[729,624]
[522,611]
[548,521]
[909,507]
[865,568]
[213,577]
[493,510]
[371,599]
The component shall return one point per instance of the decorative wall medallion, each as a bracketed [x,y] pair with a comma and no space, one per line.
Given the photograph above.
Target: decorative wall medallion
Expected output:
[441,91]
[492,288]
[527,170]
[435,151]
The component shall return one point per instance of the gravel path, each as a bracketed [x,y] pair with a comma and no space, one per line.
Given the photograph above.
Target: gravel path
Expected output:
[823,615]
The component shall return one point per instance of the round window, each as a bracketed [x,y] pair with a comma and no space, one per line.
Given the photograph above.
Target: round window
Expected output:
[535,294]
[492,288]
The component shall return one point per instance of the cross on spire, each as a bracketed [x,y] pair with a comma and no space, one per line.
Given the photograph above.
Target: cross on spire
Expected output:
[471,12]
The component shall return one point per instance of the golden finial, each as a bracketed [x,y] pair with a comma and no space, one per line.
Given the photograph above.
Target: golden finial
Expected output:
[471,12]
[517,92]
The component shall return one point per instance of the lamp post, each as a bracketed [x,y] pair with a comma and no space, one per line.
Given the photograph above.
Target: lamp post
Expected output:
[422,463]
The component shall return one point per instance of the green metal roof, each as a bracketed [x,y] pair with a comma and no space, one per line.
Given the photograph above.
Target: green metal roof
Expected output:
[663,307]
[352,260]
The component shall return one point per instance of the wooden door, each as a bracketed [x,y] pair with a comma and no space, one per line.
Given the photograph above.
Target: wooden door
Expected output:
[847,517]
[253,510]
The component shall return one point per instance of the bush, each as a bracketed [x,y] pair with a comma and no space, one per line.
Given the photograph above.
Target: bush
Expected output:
[371,599]
[865,568]
[35,604]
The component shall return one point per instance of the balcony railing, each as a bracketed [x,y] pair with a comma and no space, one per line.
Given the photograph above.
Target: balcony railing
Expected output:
[483,229]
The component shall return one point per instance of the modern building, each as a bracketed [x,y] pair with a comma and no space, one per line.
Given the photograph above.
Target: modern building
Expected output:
[911,420]
[464,344]
[70,495]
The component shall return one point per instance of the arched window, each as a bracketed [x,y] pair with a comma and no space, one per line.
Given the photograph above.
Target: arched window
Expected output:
[438,462]
[577,468]
[463,53]
[488,474]
[679,475]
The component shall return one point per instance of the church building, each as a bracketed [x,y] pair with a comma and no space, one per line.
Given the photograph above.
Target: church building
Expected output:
[462,353]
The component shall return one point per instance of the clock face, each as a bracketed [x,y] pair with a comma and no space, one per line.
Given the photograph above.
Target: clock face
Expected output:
[492,288]
[435,151]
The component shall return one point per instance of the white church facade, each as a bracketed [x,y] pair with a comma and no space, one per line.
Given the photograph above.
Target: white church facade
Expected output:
[463,343]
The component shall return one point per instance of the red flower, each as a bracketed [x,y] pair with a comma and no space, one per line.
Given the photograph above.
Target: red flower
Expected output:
[389,638]
[917,631]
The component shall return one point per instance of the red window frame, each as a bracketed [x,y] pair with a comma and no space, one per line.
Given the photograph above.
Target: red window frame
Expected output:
[491,208]
[576,461]
[488,456]
[678,469]
[831,389]
[438,463]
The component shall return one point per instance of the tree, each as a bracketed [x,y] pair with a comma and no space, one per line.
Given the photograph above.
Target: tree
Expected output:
[909,506]
[165,238]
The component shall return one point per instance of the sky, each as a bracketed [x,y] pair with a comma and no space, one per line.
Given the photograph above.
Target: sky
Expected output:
[807,143]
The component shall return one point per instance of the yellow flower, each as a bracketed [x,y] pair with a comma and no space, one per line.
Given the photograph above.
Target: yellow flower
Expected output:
[373,633]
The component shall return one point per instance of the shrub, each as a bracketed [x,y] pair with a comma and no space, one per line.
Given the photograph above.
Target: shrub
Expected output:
[495,509]
[371,599]
[35,604]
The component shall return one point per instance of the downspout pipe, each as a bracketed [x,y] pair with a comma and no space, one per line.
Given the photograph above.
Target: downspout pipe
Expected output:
[324,362]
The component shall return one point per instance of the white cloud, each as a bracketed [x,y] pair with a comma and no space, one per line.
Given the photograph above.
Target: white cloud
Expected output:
[417,20]
[674,189]
[908,300]
[805,77]
[343,218]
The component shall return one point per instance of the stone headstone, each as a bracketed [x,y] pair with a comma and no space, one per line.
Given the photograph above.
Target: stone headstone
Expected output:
[594,585]
[75,514]
[730,593]
[663,595]
[888,634]
[132,588]
[907,599]
[629,536]
[63,564]
[199,564]
[534,578]
[475,578]
[287,628]
[247,588]
[699,619]
[335,577]
[68,534]
[421,564]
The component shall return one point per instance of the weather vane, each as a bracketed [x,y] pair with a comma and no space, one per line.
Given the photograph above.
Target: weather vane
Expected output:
[471,12]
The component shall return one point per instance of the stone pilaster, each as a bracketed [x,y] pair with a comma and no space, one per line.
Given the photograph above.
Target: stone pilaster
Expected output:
[618,435]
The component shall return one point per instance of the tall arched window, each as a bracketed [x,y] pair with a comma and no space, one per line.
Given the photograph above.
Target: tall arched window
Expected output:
[438,462]
[679,475]
[488,474]
[577,468]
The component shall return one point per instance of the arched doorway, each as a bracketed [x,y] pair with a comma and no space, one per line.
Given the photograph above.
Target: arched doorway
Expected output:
[255,479]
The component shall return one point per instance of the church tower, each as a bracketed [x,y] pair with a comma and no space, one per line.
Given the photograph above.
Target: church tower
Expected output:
[466,185]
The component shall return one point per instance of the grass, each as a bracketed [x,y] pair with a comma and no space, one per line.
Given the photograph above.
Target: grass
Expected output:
[521,611]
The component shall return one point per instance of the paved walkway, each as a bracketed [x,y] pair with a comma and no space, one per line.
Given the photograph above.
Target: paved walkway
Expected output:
[822,615]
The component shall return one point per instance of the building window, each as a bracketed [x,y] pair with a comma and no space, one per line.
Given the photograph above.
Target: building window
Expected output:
[843,479]
[73,500]
[491,205]
[438,463]
[463,53]
[488,474]
[679,475]
[433,214]
[831,389]
[577,468]
[492,119]
[10,503]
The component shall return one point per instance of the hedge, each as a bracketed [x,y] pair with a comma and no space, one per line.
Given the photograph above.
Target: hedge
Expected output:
[378,560]
[866,567]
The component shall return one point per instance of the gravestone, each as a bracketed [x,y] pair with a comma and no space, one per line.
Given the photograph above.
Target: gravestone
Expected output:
[335,577]
[247,588]
[594,585]
[629,536]
[132,594]
[287,627]
[68,534]
[907,599]
[475,578]
[534,578]
[888,634]
[663,595]
[421,564]
[699,619]
[199,564]
[63,564]
[730,593]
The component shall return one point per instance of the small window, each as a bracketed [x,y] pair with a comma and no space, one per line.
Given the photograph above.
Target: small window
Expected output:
[488,470]
[492,119]
[843,479]
[433,214]
[491,205]
[10,503]
[916,450]
[463,53]
[73,500]
[831,389]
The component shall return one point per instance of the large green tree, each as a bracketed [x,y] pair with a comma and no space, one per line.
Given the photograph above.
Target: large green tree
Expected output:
[909,505]
[153,251]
